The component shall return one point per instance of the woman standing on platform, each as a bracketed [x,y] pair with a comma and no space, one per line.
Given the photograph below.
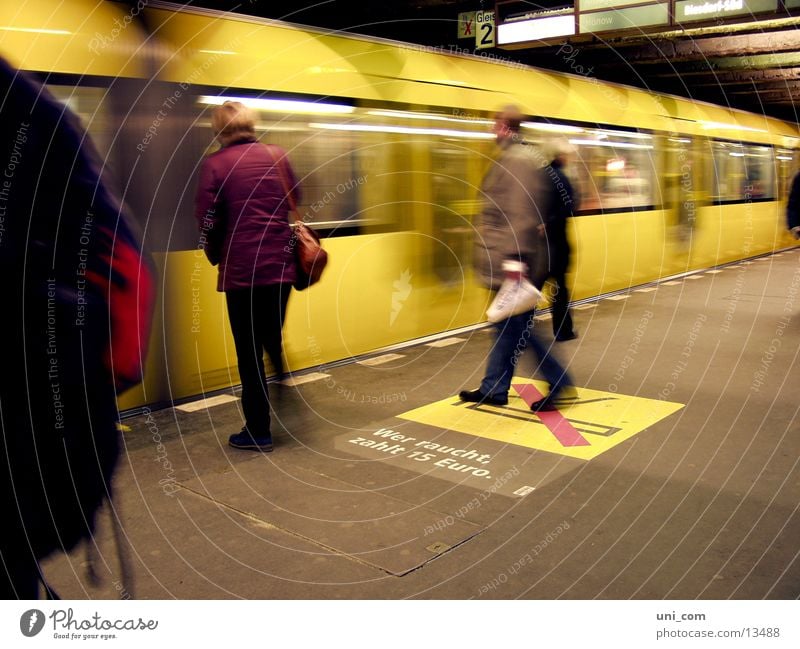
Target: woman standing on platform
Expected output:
[242,211]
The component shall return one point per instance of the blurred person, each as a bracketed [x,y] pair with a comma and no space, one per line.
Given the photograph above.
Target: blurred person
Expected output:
[242,211]
[560,205]
[78,300]
[514,192]
[793,208]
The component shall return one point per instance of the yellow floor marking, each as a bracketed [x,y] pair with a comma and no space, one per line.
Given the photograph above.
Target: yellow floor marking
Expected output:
[379,360]
[445,342]
[292,381]
[604,419]
[204,404]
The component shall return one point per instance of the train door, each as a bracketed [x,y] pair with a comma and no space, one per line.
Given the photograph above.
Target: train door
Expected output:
[454,208]
[680,185]
[786,164]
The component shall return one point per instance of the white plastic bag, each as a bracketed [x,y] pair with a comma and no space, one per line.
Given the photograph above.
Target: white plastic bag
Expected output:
[516,295]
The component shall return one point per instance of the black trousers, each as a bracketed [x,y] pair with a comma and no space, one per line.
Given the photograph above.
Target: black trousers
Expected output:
[256,316]
[562,320]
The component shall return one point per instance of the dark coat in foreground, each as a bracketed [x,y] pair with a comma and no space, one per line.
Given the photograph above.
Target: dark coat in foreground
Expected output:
[77,302]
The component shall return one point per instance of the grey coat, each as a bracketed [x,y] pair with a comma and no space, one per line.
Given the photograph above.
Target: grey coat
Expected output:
[514,200]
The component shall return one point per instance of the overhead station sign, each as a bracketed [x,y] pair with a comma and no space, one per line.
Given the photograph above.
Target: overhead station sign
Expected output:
[697,10]
[535,25]
[479,25]
[651,15]
[519,26]
[466,24]
[485,34]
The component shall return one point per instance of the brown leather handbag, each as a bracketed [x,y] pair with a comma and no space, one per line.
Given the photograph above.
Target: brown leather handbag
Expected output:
[310,257]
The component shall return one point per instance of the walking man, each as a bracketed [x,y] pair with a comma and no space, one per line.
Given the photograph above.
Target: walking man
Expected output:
[513,193]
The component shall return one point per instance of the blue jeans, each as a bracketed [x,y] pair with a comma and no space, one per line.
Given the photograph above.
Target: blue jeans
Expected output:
[513,336]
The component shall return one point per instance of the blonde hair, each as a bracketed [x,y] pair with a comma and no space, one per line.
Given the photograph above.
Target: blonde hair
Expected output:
[233,121]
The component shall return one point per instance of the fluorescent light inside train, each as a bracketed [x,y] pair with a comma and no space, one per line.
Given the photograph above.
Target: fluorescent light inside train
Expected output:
[610,143]
[225,52]
[538,28]
[736,154]
[552,128]
[630,134]
[281,105]
[32,30]
[401,114]
[782,157]
[615,165]
[403,130]
[722,126]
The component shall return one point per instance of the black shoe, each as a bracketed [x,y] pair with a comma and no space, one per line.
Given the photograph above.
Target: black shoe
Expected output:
[560,338]
[544,405]
[549,402]
[244,440]
[476,396]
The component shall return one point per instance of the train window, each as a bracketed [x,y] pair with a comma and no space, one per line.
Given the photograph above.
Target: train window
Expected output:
[784,166]
[362,167]
[89,105]
[325,162]
[611,170]
[416,165]
[741,172]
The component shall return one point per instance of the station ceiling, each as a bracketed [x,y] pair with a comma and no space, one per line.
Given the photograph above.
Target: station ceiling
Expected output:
[752,65]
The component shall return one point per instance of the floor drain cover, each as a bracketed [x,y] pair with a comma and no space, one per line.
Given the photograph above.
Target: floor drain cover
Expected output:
[438,548]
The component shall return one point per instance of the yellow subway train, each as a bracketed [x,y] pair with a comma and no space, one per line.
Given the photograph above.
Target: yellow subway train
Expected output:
[390,141]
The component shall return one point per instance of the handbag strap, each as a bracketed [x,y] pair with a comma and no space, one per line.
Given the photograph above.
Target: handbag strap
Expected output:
[278,162]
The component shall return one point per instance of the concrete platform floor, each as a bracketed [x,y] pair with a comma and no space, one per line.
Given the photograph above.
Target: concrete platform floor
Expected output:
[702,503]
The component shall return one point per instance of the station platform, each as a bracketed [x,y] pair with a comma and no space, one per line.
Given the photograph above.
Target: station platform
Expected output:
[673,472]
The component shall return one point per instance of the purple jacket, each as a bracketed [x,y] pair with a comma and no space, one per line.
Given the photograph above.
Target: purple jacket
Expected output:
[242,213]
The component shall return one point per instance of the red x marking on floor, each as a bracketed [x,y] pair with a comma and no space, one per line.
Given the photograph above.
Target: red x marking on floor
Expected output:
[562,430]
